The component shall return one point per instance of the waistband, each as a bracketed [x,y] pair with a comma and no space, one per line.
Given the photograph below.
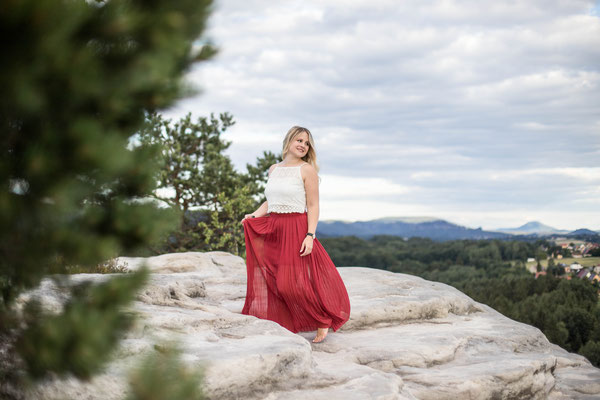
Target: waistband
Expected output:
[289,214]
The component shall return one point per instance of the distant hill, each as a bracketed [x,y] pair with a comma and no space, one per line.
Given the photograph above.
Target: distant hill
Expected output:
[428,227]
[411,220]
[439,229]
[583,232]
[533,227]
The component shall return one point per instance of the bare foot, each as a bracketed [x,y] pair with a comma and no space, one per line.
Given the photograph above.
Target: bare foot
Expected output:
[321,333]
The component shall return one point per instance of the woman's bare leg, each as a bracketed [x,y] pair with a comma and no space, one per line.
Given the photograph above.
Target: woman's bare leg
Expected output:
[321,333]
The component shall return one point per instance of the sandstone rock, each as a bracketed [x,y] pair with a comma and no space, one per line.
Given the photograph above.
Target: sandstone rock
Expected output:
[407,338]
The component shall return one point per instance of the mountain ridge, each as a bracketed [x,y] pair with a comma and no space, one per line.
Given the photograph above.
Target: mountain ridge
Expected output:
[533,227]
[437,229]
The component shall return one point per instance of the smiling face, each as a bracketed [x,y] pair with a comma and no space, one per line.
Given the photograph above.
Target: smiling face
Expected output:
[299,145]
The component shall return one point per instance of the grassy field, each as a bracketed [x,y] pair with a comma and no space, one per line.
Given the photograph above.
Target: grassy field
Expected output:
[585,261]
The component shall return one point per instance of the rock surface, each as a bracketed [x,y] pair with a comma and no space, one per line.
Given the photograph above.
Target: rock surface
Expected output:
[407,338]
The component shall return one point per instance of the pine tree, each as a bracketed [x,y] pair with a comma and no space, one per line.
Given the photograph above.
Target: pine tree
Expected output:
[194,165]
[257,176]
[210,194]
[77,79]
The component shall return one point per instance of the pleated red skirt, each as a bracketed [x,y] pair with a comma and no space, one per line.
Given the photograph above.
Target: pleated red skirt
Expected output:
[300,293]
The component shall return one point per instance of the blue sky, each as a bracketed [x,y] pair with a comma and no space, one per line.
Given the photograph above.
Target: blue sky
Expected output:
[485,114]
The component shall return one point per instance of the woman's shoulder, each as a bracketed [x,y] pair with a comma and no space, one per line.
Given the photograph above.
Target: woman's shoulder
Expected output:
[272,167]
[307,169]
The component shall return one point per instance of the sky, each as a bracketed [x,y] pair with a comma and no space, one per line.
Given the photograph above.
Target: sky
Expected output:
[485,114]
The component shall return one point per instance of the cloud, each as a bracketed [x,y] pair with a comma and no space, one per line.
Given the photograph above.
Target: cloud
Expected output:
[468,105]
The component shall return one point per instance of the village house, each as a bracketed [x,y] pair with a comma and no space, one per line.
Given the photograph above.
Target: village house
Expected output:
[583,274]
[575,267]
[589,274]
[538,273]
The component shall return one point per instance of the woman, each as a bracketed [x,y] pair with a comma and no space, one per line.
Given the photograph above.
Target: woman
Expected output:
[291,279]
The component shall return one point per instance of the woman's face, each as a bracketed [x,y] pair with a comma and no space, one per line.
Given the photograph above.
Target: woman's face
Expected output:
[299,145]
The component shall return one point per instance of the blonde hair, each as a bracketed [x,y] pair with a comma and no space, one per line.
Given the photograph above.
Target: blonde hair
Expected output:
[310,156]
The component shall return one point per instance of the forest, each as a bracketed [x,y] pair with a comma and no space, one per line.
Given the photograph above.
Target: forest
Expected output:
[491,272]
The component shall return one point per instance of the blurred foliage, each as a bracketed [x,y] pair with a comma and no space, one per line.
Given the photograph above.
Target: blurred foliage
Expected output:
[54,342]
[209,194]
[77,79]
[163,376]
[257,176]
[492,272]
[111,266]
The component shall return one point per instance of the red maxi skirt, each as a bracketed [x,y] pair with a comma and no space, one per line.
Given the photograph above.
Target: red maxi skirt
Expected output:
[300,293]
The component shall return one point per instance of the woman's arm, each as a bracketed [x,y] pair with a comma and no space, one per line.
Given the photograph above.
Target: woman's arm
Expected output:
[264,207]
[262,210]
[311,187]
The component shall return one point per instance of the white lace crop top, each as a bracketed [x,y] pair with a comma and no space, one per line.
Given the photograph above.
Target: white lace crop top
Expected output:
[285,190]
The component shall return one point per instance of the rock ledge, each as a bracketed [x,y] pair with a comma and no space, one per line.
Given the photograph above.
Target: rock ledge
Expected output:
[407,338]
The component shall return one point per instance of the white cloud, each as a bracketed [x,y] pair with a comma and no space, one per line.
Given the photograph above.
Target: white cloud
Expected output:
[458,107]
[338,188]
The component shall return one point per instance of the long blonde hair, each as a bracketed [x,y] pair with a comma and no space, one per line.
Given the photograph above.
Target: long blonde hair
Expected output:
[310,156]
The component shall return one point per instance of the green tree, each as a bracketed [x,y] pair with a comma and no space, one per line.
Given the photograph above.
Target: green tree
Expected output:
[554,269]
[222,231]
[257,176]
[194,165]
[211,196]
[76,86]
[539,256]
[591,350]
